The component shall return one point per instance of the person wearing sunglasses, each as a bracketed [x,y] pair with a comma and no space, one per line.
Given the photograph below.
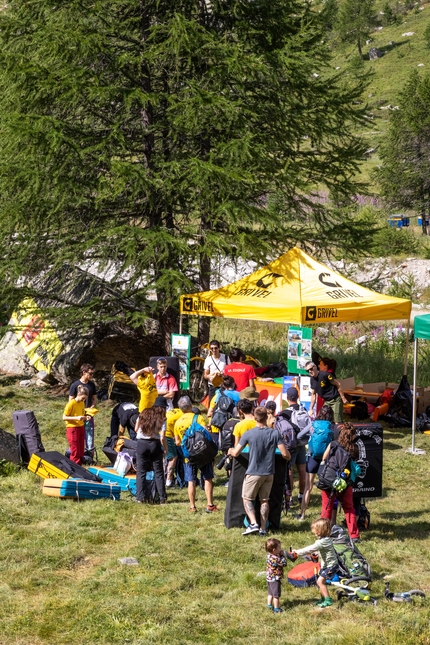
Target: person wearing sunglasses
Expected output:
[214,367]
[326,385]
[87,373]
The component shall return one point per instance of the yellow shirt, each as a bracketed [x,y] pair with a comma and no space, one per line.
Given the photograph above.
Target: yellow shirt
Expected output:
[74,409]
[148,390]
[171,417]
[241,427]
[184,422]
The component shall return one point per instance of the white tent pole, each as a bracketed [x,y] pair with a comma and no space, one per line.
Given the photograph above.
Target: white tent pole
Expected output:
[414,402]
[405,363]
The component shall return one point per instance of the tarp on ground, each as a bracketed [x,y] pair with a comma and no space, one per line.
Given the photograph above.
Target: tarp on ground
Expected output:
[422,326]
[296,289]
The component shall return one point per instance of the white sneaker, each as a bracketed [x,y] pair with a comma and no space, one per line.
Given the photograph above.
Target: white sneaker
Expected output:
[169,484]
[252,528]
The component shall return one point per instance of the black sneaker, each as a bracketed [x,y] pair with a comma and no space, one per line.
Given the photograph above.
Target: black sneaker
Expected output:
[252,528]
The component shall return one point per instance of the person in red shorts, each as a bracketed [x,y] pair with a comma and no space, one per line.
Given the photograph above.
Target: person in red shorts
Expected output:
[74,416]
[242,373]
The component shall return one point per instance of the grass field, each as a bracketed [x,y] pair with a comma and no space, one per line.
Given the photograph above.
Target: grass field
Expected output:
[196,582]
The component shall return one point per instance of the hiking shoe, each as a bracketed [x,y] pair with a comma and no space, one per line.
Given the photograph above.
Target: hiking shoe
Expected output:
[355,540]
[211,508]
[262,533]
[278,610]
[169,484]
[270,607]
[252,528]
[193,509]
[327,602]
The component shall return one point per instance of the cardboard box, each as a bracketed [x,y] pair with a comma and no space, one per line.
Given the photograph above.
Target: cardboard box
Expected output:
[423,399]
[347,383]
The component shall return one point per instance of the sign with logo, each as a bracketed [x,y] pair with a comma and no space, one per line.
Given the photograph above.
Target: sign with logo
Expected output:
[263,287]
[299,349]
[181,348]
[192,305]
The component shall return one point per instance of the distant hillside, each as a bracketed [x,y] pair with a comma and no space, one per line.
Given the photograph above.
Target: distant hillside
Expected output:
[402,55]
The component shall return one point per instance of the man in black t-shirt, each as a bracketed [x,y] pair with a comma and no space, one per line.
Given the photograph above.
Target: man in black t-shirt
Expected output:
[87,371]
[329,388]
[124,416]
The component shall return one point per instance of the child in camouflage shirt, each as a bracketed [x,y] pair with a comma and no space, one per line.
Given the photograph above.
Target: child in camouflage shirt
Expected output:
[275,563]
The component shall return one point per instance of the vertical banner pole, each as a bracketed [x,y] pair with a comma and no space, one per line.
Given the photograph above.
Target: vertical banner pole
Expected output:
[180,323]
[414,402]
[405,364]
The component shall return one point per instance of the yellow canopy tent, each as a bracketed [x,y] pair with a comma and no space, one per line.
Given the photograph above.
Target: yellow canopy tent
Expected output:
[296,289]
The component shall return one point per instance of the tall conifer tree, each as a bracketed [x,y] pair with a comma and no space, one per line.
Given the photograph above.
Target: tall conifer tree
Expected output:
[148,136]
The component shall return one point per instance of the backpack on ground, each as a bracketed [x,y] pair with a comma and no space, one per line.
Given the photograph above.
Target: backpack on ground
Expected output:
[226,436]
[197,445]
[338,459]
[321,437]
[284,426]
[351,561]
[225,410]
[27,433]
[301,423]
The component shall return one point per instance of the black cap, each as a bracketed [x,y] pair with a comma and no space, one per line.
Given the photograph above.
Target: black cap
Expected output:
[292,394]
[160,402]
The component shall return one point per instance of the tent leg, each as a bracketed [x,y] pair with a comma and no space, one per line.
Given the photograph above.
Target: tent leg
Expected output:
[413,450]
[180,323]
[405,363]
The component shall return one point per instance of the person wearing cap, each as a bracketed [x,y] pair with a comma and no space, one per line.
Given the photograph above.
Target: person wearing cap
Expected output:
[172,453]
[145,381]
[166,383]
[298,454]
[124,417]
[190,471]
[243,374]
[326,385]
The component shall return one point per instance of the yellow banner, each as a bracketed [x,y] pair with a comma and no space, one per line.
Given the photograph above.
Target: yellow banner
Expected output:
[36,335]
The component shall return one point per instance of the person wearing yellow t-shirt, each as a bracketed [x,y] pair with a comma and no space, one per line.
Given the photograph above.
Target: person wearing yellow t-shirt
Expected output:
[172,454]
[245,409]
[190,472]
[145,381]
[74,416]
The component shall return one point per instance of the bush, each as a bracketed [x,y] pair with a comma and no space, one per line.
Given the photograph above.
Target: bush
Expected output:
[399,241]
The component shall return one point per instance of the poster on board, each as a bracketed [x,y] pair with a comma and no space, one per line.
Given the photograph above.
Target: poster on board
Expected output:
[181,348]
[299,349]
[305,392]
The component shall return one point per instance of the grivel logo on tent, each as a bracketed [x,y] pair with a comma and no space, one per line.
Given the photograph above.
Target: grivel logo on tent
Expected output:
[263,285]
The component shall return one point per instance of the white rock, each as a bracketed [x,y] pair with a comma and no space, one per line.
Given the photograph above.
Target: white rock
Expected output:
[26,383]
[408,33]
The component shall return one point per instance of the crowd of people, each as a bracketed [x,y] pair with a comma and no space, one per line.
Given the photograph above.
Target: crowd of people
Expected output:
[305,440]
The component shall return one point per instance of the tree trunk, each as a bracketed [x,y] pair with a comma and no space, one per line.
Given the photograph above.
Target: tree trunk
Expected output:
[204,324]
[360,51]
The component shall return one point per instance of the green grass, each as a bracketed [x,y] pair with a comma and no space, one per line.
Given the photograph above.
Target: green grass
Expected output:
[61,582]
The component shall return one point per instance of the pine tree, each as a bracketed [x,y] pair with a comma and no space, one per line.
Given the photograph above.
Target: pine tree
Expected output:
[355,20]
[404,175]
[147,137]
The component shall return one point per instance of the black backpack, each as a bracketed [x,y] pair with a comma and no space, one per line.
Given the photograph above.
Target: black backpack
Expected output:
[226,435]
[197,445]
[338,459]
[225,410]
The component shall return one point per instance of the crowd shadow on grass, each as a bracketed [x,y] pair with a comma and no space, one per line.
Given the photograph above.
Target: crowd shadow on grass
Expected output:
[389,445]
[417,530]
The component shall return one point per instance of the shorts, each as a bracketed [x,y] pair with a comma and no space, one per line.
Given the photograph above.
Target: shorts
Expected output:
[172,451]
[190,472]
[329,572]
[257,484]
[312,465]
[337,407]
[274,588]
[298,456]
